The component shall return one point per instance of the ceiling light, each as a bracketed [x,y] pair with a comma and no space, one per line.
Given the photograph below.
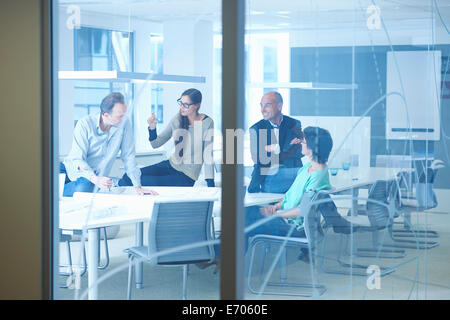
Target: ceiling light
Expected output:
[304,85]
[121,76]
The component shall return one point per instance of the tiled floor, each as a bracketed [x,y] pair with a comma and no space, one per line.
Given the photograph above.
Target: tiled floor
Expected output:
[426,277]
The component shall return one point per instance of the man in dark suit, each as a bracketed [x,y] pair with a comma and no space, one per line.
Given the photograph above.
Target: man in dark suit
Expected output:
[275,147]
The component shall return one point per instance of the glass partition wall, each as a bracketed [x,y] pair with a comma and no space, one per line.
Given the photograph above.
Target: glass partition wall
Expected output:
[343,149]
[370,77]
[140,58]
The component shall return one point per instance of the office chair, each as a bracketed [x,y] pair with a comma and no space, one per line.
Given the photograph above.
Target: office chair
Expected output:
[384,192]
[378,216]
[174,225]
[314,235]
[71,237]
[416,195]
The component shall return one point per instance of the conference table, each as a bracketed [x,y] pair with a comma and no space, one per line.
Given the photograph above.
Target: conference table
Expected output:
[121,205]
[89,212]
[356,177]
[344,182]
[352,180]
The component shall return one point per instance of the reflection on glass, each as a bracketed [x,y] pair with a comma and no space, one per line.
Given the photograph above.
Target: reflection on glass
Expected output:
[334,171]
[360,223]
[122,185]
[379,89]
[345,165]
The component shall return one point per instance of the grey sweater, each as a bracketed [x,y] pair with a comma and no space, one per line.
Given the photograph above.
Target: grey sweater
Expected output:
[195,149]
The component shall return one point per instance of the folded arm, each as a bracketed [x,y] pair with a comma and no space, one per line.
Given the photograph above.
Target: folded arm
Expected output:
[294,143]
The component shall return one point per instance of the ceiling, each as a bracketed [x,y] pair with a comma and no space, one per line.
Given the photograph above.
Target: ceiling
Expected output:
[270,14]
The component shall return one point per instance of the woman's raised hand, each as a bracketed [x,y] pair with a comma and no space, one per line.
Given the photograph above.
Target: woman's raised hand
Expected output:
[152,121]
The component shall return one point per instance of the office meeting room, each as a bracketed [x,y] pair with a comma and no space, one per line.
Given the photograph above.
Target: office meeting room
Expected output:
[246,149]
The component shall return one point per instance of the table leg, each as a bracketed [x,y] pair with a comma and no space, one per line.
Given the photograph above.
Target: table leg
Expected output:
[283,263]
[93,236]
[139,241]
[355,194]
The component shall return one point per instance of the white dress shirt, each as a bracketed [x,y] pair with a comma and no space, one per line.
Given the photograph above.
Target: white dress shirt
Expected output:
[276,130]
[94,151]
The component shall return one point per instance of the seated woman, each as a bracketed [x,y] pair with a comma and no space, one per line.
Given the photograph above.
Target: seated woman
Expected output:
[193,136]
[316,145]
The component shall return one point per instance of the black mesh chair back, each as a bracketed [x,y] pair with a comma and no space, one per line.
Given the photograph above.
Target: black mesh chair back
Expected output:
[313,227]
[377,205]
[179,224]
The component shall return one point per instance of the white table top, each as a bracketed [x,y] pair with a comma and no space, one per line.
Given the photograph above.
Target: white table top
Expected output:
[77,213]
[165,194]
[257,199]
[122,205]
[355,177]
[359,177]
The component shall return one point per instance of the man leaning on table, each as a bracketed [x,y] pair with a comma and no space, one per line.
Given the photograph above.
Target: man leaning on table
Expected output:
[97,139]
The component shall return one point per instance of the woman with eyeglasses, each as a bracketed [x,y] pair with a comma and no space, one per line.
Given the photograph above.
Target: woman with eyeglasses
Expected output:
[193,135]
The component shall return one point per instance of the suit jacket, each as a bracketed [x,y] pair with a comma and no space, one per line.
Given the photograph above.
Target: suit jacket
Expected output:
[261,135]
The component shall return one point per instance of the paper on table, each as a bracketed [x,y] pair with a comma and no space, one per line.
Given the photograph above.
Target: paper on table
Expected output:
[187,193]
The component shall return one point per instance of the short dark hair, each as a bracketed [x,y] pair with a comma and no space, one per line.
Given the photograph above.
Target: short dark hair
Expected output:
[320,142]
[110,100]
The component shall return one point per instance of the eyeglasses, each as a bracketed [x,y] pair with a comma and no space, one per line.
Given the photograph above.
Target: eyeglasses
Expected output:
[184,105]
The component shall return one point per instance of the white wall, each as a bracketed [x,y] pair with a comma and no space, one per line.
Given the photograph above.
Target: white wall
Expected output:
[142,30]
[188,50]
[255,43]
[356,144]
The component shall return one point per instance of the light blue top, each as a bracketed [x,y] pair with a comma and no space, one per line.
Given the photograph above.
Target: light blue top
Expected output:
[305,181]
[94,151]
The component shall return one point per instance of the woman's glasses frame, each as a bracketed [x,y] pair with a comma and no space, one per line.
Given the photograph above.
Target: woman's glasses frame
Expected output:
[184,105]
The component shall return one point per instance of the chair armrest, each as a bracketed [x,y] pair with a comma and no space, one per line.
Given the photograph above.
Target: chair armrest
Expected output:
[278,238]
[281,212]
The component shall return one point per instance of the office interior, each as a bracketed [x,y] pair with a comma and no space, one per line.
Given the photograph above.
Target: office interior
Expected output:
[373,73]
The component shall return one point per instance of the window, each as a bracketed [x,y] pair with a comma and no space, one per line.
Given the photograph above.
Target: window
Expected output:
[115,36]
[359,70]
[156,66]
[267,61]
[332,68]
[100,50]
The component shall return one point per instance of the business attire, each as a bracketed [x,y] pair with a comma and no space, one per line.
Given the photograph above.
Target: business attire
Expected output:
[193,149]
[275,177]
[94,152]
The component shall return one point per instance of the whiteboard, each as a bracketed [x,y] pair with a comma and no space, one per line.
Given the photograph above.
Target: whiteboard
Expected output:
[420,74]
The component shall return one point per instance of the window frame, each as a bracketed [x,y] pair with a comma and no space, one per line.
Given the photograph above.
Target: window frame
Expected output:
[232,275]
